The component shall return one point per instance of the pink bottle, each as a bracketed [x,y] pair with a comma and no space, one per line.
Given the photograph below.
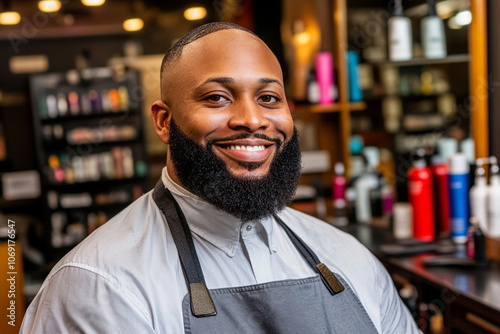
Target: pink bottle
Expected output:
[324,77]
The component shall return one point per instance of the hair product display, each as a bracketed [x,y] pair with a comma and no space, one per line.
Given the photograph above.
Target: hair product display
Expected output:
[324,77]
[459,194]
[432,33]
[421,198]
[400,35]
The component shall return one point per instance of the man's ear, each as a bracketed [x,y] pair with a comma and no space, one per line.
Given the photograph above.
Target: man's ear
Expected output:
[161,115]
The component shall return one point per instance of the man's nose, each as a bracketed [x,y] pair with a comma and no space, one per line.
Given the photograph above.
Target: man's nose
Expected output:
[247,114]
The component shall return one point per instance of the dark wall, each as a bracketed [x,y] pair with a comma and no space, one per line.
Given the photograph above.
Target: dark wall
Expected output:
[494,71]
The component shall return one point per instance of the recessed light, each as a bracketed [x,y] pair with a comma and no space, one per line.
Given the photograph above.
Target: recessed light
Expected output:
[93,3]
[49,6]
[9,18]
[195,13]
[134,24]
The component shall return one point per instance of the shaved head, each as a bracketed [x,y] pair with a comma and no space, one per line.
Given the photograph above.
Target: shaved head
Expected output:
[175,51]
[222,84]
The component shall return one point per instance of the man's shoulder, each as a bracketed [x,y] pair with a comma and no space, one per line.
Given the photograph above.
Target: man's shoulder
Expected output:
[119,240]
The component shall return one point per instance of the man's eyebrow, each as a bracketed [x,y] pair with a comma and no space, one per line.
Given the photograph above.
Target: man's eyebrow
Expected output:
[269,80]
[228,80]
[221,80]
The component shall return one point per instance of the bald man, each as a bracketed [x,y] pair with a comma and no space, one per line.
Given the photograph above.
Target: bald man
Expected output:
[213,248]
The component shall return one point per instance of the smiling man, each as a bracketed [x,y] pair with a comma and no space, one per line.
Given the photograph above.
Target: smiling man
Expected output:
[213,248]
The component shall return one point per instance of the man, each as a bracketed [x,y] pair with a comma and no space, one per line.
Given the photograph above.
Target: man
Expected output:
[213,249]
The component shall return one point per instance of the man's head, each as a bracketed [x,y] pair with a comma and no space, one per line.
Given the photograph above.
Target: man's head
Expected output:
[222,90]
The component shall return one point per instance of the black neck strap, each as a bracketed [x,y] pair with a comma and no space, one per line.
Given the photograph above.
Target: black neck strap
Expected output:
[201,302]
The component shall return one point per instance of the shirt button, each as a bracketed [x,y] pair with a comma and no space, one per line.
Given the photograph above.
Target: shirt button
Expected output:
[249,227]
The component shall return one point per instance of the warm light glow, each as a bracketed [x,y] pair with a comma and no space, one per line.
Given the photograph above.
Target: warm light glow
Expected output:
[195,13]
[133,24]
[302,38]
[49,6]
[463,18]
[93,3]
[9,18]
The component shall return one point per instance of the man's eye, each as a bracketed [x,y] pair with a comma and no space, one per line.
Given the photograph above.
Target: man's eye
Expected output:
[216,98]
[268,98]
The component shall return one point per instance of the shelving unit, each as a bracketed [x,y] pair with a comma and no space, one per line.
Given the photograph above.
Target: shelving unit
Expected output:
[91,149]
[451,59]
[334,124]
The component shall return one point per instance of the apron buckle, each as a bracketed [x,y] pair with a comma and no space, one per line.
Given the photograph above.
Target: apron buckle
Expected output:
[329,279]
[202,304]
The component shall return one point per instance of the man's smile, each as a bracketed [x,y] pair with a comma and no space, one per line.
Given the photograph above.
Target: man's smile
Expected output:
[246,150]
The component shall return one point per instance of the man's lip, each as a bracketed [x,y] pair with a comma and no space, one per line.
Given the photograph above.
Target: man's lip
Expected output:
[245,142]
[231,150]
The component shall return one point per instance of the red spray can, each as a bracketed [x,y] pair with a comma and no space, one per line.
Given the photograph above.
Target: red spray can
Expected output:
[421,198]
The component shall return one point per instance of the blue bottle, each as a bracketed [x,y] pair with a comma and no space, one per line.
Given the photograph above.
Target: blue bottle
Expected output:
[355,93]
[458,182]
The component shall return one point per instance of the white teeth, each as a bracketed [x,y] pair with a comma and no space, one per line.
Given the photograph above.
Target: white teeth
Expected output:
[247,148]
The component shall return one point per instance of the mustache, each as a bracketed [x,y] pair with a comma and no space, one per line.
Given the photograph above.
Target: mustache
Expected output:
[211,142]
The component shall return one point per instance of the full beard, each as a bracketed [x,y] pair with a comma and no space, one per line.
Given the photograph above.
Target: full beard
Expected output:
[206,175]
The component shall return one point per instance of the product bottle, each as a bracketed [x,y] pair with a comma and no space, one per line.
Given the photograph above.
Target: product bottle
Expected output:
[421,198]
[363,186]
[458,187]
[432,33]
[313,94]
[478,197]
[338,196]
[476,248]
[494,200]
[355,93]
[400,37]
[324,76]
[467,148]
[439,171]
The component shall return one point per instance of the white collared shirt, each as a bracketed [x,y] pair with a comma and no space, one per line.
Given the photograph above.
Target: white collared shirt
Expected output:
[126,276]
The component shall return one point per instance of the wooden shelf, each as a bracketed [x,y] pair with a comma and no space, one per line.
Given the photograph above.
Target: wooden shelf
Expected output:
[332,108]
[460,58]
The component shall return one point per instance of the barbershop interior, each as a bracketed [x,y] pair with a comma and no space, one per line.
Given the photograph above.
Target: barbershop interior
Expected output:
[394,103]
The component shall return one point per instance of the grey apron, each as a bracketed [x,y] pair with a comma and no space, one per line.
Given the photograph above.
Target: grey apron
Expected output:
[322,304]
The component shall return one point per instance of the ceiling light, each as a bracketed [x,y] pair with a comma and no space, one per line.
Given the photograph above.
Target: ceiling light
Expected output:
[93,3]
[9,18]
[133,24]
[195,13]
[49,6]
[463,18]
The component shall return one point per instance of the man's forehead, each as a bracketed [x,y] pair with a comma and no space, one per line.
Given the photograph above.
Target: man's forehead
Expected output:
[223,42]
[229,46]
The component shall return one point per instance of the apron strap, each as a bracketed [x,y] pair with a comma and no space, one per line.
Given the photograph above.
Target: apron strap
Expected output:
[331,282]
[201,302]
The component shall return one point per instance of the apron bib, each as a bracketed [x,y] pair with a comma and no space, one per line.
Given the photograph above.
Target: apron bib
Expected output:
[321,304]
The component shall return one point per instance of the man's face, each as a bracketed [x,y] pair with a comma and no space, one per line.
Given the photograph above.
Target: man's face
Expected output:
[227,89]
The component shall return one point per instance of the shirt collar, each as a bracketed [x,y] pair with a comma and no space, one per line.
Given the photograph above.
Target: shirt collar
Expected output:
[215,226]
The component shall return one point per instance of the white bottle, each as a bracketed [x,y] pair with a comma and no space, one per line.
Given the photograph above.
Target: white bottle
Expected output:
[478,197]
[366,182]
[400,36]
[432,32]
[493,201]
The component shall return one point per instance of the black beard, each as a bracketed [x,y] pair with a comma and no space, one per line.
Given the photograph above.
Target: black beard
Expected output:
[206,175]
